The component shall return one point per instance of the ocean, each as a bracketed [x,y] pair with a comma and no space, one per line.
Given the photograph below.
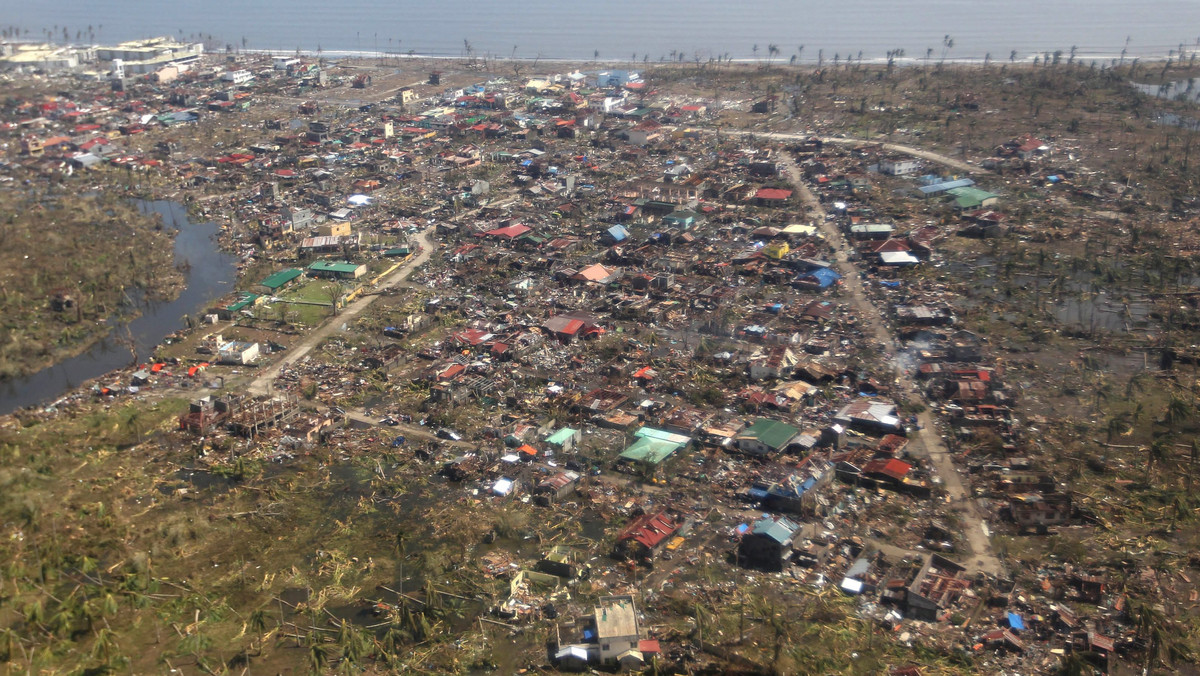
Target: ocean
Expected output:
[638,30]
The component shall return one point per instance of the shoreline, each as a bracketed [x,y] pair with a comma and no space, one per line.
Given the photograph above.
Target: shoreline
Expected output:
[778,62]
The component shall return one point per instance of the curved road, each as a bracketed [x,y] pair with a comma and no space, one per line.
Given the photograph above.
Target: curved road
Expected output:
[262,384]
[893,147]
[931,445]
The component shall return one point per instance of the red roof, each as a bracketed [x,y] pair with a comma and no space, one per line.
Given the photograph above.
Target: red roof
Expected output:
[451,372]
[573,327]
[772,194]
[471,336]
[893,469]
[511,232]
[649,529]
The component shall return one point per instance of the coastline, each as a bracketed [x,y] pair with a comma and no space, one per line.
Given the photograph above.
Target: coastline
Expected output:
[801,63]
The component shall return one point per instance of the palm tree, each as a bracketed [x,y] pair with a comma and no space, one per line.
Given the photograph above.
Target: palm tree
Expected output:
[1159,454]
[133,421]
[1117,425]
[947,45]
[1193,458]
[105,647]
[258,624]
[401,553]
[350,643]
[1177,412]
[318,659]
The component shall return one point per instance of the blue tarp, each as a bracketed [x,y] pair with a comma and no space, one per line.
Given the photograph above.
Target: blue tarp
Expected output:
[890,285]
[1015,622]
[824,276]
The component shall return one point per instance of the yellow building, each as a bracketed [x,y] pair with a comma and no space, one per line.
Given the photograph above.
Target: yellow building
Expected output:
[334,229]
[777,249]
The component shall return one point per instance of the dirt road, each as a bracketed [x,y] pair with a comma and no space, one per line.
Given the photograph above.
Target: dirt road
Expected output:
[930,444]
[891,147]
[262,384]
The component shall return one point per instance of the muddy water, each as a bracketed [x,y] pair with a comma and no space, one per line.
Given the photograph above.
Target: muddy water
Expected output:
[210,273]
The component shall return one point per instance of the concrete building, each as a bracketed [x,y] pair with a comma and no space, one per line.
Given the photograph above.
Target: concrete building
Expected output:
[616,627]
[238,352]
[147,56]
[768,544]
[336,270]
[237,76]
[29,57]
[899,166]
[765,437]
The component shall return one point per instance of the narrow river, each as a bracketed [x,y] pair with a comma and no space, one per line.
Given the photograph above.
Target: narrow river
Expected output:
[212,273]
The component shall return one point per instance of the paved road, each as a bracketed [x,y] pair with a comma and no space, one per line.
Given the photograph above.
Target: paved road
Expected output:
[931,445]
[328,97]
[262,384]
[409,430]
[892,147]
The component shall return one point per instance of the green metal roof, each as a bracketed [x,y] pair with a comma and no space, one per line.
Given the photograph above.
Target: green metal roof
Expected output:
[398,251]
[772,433]
[561,437]
[650,451]
[327,266]
[243,302]
[280,278]
[968,197]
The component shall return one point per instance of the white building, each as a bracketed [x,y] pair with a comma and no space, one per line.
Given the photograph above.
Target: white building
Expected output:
[238,352]
[616,627]
[899,166]
[237,76]
[46,57]
[147,56]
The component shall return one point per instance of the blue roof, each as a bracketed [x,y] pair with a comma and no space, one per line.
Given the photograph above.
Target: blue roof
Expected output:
[824,276]
[780,530]
[619,233]
[1015,622]
[945,185]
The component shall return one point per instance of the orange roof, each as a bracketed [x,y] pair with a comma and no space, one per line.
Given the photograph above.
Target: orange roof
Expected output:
[595,273]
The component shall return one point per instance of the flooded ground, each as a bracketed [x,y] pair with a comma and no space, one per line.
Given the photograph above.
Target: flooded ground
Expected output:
[208,272]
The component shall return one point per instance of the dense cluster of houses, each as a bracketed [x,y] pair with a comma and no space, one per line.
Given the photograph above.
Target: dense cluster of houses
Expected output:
[621,299]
